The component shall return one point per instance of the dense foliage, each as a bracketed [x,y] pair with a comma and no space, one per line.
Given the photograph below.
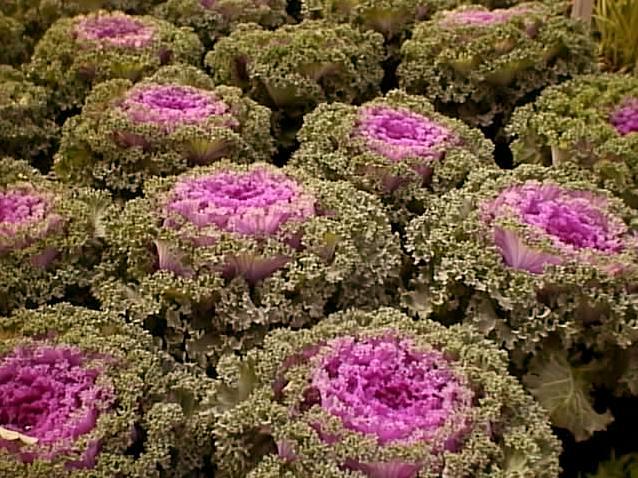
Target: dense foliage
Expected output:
[318,239]
[27,129]
[213,19]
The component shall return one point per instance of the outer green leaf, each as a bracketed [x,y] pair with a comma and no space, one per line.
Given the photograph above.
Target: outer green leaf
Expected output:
[564,391]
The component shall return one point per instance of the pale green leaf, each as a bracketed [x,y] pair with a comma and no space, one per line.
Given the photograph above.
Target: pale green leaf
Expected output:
[12,435]
[564,391]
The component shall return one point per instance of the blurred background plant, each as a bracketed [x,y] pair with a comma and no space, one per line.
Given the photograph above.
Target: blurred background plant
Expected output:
[616,25]
[624,466]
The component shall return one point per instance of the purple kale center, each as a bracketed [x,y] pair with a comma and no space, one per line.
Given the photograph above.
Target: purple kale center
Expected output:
[625,118]
[20,207]
[172,105]
[384,387]
[50,394]
[115,29]
[573,220]
[257,202]
[480,17]
[399,133]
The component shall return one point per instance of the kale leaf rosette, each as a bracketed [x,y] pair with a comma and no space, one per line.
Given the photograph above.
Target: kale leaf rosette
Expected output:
[211,260]
[77,53]
[50,237]
[378,395]
[477,64]
[84,394]
[38,15]
[543,262]
[396,147]
[590,121]
[160,126]
[213,19]
[394,19]
[27,129]
[294,68]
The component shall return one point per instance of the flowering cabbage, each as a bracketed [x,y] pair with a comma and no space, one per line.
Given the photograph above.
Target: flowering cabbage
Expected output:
[26,127]
[394,19]
[477,64]
[375,394]
[212,19]
[590,121]
[211,259]
[396,147]
[544,263]
[78,53]
[14,49]
[84,394]
[50,237]
[159,126]
[38,15]
[296,67]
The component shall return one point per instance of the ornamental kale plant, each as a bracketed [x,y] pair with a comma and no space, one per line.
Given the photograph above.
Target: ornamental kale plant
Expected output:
[296,67]
[78,53]
[50,237]
[590,121]
[546,264]
[210,260]
[26,128]
[38,15]
[84,394]
[394,19]
[375,394]
[396,147]
[160,126]
[477,64]
[213,19]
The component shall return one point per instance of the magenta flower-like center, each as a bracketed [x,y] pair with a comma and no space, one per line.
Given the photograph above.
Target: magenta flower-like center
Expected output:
[24,210]
[384,387]
[399,133]
[573,220]
[256,202]
[51,394]
[172,105]
[114,29]
[625,118]
[208,3]
[19,207]
[480,17]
